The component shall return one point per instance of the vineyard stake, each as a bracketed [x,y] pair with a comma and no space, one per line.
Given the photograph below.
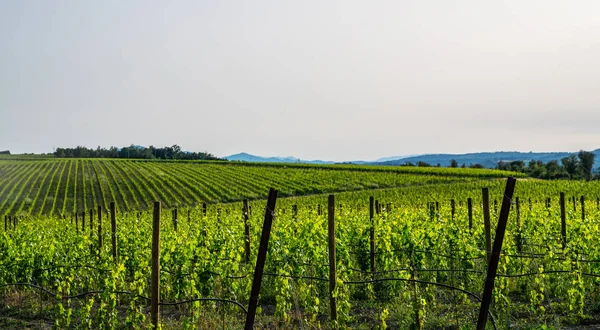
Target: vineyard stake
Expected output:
[261,258]
[583,208]
[189,217]
[563,220]
[99,229]
[453,207]
[113,225]
[5,223]
[493,264]
[76,223]
[155,298]
[246,231]
[332,257]
[91,221]
[372,234]
[486,222]
[175,219]
[204,209]
[574,204]
[470,207]
[518,214]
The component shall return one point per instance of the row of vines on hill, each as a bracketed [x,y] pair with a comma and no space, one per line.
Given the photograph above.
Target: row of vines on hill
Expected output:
[62,187]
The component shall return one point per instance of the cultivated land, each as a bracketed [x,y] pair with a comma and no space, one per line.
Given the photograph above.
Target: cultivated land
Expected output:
[427,270]
[65,186]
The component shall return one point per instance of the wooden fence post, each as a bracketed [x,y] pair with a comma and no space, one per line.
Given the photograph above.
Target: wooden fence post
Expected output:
[372,233]
[493,264]
[563,220]
[470,207]
[486,222]
[332,257]
[113,225]
[155,298]
[260,261]
[246,231]
[99,229]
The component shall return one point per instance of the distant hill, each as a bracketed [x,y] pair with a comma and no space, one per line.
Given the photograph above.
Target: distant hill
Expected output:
[245,157]
[487,159]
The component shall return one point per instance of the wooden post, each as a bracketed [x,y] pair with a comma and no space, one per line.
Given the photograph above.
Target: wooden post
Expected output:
[437,207]
[99,229]
[372,233]
[175,219]
[518,214]
[470,208]
[574,204]
[5,223]
[113,225]
[332,257]
[319,212]
[294,210]
[486,221]
[453,207]
[76,222]
[204,209]
[493,264]
[563,220]
[377,207]
[91,221]
[246,231]
[260,261]
[583,208]
[155,298]
[189,216]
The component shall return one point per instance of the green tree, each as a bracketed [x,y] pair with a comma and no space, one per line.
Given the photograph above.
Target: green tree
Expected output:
[571,164]
[453,163]
[586,162]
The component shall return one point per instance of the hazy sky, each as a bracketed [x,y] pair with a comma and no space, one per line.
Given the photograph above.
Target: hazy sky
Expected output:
[336,80]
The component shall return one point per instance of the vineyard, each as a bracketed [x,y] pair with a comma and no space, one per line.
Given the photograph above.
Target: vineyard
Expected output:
[408,257]
[62,187]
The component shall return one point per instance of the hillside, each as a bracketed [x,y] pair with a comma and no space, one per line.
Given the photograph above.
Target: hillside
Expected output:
[487,159]
[63,186]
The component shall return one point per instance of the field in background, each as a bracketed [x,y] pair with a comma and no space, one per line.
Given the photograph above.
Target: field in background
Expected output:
[41,185]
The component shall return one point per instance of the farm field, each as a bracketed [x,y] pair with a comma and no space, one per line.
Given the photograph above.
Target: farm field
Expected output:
[428,269]
[65,186]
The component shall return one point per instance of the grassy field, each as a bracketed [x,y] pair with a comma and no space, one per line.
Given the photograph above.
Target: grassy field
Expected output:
[64,186]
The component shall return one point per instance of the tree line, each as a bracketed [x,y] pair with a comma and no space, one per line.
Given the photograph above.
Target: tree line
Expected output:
[575,167]
[133,152]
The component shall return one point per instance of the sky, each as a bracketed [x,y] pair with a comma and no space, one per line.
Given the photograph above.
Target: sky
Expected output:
[334,80]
